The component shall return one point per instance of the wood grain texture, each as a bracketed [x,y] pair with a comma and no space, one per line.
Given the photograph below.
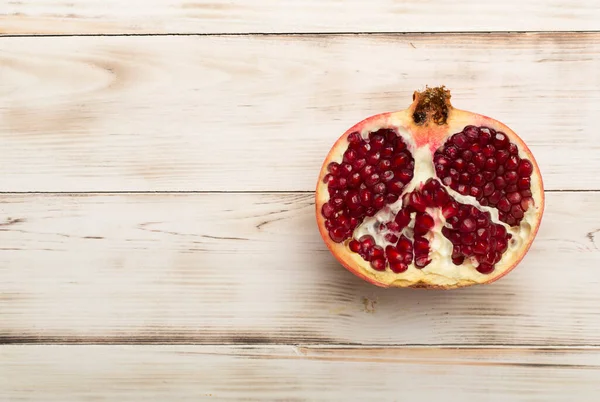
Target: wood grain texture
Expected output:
[252,268]
[287,373]
[199,113]
[226,16]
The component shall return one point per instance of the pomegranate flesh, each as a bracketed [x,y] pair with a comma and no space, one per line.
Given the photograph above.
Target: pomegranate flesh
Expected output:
[431,196]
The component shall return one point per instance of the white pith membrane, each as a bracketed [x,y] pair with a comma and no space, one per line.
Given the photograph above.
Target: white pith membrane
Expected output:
[441,271]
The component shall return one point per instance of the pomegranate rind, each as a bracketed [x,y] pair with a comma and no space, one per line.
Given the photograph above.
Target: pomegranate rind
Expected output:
[430,135]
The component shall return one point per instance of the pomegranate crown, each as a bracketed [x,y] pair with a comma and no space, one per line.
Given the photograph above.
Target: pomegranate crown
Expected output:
[432,104]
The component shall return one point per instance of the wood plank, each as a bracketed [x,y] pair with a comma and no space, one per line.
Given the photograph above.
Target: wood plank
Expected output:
[199,113]
[275,373]
[238,16]
[252,268]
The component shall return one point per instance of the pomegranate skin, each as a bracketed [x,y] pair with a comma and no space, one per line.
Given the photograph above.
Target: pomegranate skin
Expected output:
[428,128]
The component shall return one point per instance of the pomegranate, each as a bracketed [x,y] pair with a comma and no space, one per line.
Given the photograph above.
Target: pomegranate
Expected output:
[429,197]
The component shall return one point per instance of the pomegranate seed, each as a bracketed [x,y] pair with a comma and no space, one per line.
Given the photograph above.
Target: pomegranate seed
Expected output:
[423,224]
[500,170]
[350,156]
[353,200]
[478,180]
[467,155]
[524,183]
[440,171]
[448,181]
[391,238]
[338,234]
[441,160]
[458,260]
[525,202]
[417,201]
[471,132]
[512,163]
[367,242]
[468,225]
[352,222]
[517,211]
[488,176]
[464,178]
[499,183]
[337,202]
[367,171]
[501,245]
[354,180]
[387,151]
[500,140]
[454,174]
[387,176]
[525,168]
[502,155]
[378,201]
[484,136]
[511,177]
[480,248]
[450,210]
[511,188]
[514,198]
[479,160]
[491,164]
[421,246]
[404,175]
[372,180]
[475,147]
[509,220]
[467,249]
[484,202]
[345,169]
[384,164]
[373,158]
[459,164]
[526,193]
[512,148]
[370,211]
[327,210]
[495,197]
[451,151]
[375,252]
[404,245]
[379,188]
[354,138]
[359,164]
[395,187]
[441,197]
[504,204]
[488,151]
[422,261]
[334,168]
[378,265]
[460,140]
[398,267]
[391,198]
[476,192]
[402,219]
[488,258]
[468,238]
[483,220]
[377,142]
[462,189]
[500,230]
[354,246]
[453,221]
[400,160]
[471,168]
[366,197]
[484,268]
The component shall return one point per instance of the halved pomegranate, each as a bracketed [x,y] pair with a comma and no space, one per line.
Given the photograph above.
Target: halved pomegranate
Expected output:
[431,196]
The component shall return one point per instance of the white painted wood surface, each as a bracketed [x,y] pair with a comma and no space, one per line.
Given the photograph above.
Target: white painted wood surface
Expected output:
[290,373]
[239,16]
[156,191]
[247,268]
[199,113]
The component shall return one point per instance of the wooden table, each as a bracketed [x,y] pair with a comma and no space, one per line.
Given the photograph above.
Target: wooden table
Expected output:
[157,233]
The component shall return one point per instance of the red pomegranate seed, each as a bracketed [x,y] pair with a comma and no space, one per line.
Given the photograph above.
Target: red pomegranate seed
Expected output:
[393,254]
[387,176]
[488,176]
[467,155]
[379,188]
[359,164]
[500,140]
[485,268]
[423,224]
[355,246]
[525,168]
[458,260]
[499,183]
[404,245]
[400,160]
[525,202]
[526,193]
[484,136]
[450,210]
[328,179]
[471,168]
[464,178]
[460,140]
[372,180]
[367,242]
[484,202]
[483,220]
[384,164]
[391,238]
[512,163]
[375,252]
[353,200]
[451,151]
[480,248]
[345,169]
[395,187]
[491,164]
[387,151]
[524,183]
[517,211]
[514,198]
[354,180]
[468,238]
[338,234]
[417,201]
[366,197]
[475,147]
[398,267]
[391,198]
[500,170]
[373,157]
[476,192]
[468,225]
[378,201]
[512,148]
[501,245]
[327,210]
[404,175]
[337,202]
[367,171]
[441,197]
[488,151]
[378,265]
[462,189]
[354,138]
[459,164]
[488,189]
[511,188]
[377,142]
[334,168]
[479,160]
[402,219]
[370,211]
[350,156]
[422,261]
[504,205]
[495,197]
